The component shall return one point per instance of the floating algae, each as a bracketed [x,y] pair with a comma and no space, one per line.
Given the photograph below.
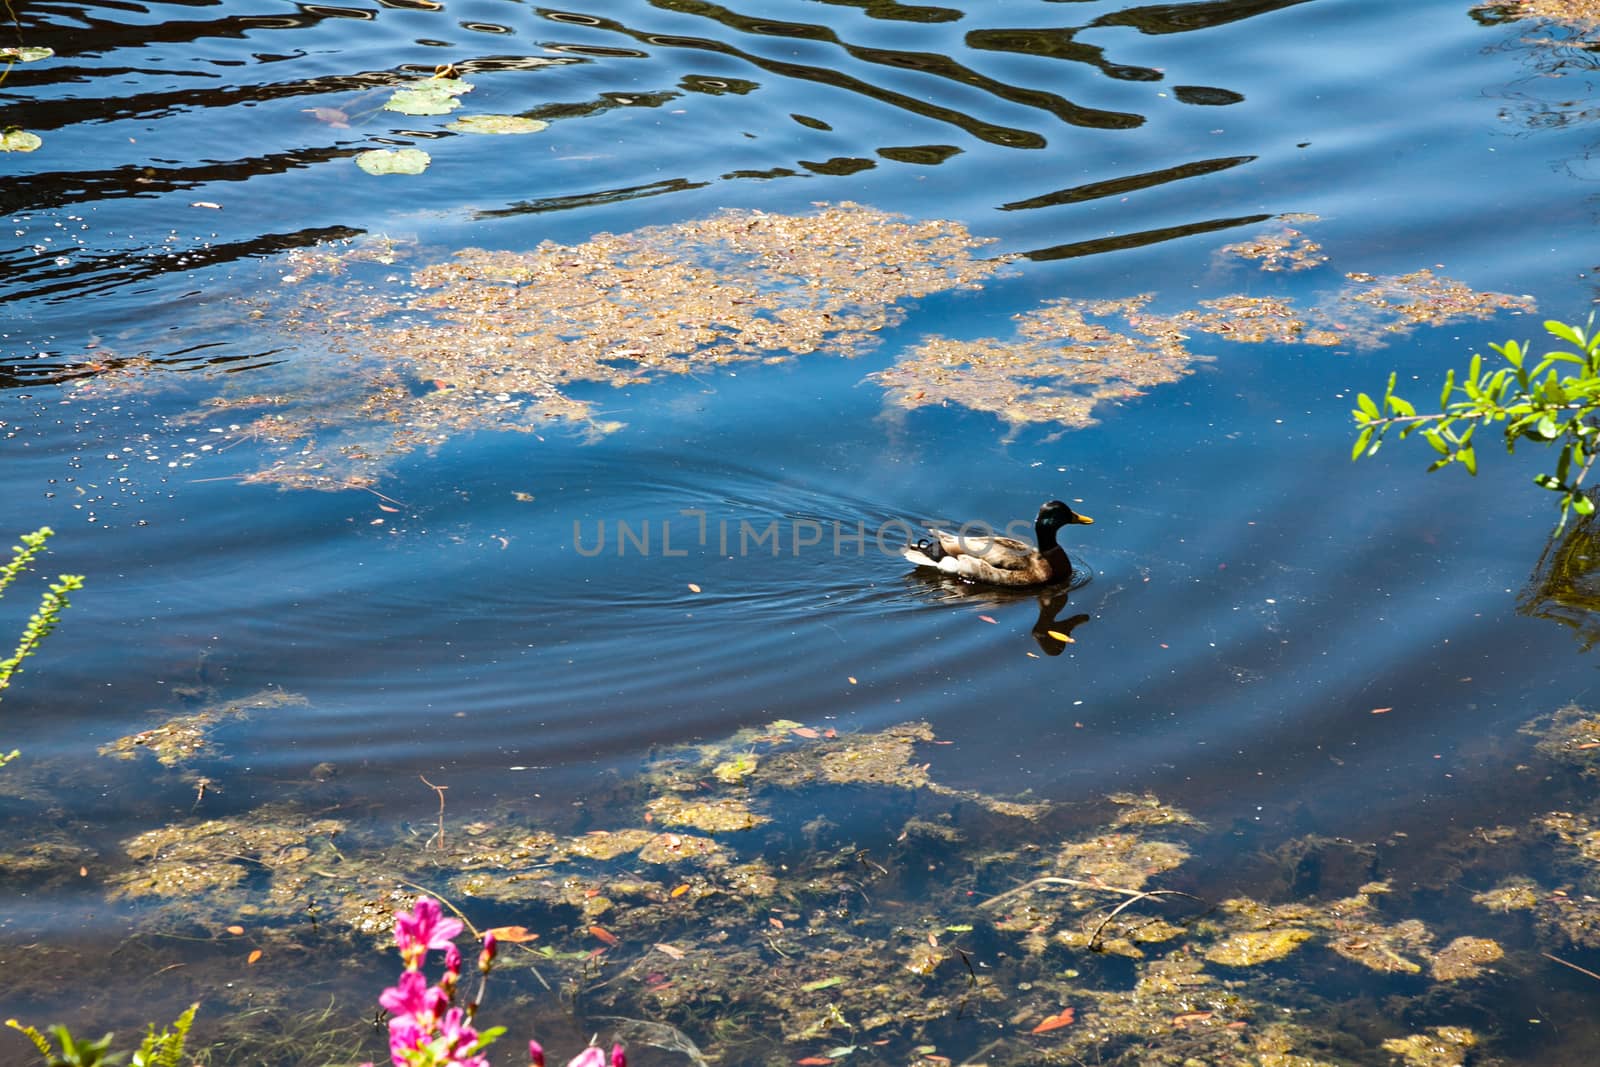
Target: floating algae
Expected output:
[1442,1046]
[1250,947]
[186,737]
[507,341]
[1283,249]
[184,859]
[1067,356]
[1465,957]
[496,340]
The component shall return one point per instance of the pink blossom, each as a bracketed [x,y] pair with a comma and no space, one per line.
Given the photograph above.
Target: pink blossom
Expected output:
[405,1035]
[486,957]
[535,1054]
[423,929]
[592,1056]
[406,997]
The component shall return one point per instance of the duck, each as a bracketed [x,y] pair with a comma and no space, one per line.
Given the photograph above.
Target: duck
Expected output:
[1003,560]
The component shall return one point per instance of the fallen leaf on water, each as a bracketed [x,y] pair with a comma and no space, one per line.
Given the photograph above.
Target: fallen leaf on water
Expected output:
[813,1061]
[671,950]
[822,983]
[207,203]
[1054,1022]
[516,935]
[693,588]
[1588,744]
[1059,636]
[806,732]
[1381,711]
[605,935]
[851,679]
[497,124]
[1190,1017]
[398,161]
[775,923]
[83,872]
[987,618]
[386,507]
[680,890]
[334,117]
[254,955]
[235,929]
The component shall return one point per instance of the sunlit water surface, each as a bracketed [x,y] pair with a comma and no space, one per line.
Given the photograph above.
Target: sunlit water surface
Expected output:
[1254,599]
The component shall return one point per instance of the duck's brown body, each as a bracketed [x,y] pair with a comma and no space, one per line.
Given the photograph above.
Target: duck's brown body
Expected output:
[1003,560]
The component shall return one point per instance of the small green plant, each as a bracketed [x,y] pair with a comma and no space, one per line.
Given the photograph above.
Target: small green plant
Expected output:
[1554,403]
[51,604]
[157,1050]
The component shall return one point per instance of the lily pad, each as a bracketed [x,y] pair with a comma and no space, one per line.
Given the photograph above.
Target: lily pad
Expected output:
[26,54]
[19,141]
[434,96]
[497,124]
[398,161]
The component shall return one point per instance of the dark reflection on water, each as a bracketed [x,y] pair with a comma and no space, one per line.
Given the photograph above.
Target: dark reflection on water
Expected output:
[1297,650]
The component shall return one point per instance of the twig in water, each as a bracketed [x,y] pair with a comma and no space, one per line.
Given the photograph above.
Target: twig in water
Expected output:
[440,790]
[1574,966]
[1076,883]
[1094,938]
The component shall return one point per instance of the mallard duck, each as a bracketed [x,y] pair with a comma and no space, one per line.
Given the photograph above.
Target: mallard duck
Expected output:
[1003,560]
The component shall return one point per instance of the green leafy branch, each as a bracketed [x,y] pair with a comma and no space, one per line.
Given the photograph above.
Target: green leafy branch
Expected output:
[157,1050]
[51,604]
[1554,403]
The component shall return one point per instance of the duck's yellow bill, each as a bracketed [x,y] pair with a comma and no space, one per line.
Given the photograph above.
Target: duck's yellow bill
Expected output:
[1086,520]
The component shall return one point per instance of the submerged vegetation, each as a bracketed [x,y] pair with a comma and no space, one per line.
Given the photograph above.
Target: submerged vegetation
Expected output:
[749,916]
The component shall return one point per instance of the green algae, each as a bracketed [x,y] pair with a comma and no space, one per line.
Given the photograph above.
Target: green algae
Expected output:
[953,911]
[1251,947]
[182,738]
[1442,1046]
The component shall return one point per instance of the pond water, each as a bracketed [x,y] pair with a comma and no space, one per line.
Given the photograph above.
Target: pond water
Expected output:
[525,524]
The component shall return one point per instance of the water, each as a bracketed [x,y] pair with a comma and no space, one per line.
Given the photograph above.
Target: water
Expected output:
[1255,601]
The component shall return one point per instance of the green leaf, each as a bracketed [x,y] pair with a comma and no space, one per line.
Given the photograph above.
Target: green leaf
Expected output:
[1475,368]
[26,54]
[19,141]
[431,96]
[1437,442]
[1546,428]
[1567,333]
[1449,387]
[823,983]
[401,161]
[501,124]
[1469,457]
[1402,407]
[1366,404]
[1547,481]
[1583,505]
[1363,439]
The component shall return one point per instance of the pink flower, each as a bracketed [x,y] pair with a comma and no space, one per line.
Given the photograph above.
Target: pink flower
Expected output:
[535,1054]
[404,1037]
[425,928]
[592,1056]
[406,997]
[486,957]
[618,1057]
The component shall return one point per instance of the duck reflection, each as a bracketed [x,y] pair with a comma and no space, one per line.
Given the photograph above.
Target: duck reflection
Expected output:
[1050,631]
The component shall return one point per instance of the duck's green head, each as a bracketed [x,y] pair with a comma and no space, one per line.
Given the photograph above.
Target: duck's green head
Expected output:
[1056,514]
